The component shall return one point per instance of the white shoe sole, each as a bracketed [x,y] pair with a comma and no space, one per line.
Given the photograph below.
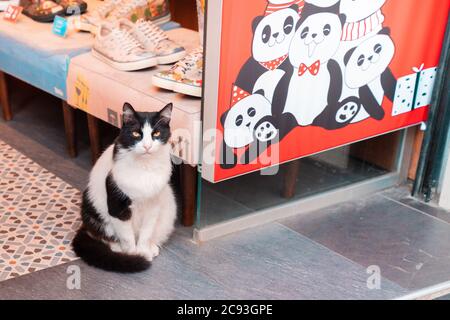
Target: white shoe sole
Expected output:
[163,83]
[188,90]
[87,27]
[172,58]
[177,87]
[127,66]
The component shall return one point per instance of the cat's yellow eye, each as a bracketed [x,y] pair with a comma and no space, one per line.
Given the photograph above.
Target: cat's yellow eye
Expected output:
[136,134]
[156,134]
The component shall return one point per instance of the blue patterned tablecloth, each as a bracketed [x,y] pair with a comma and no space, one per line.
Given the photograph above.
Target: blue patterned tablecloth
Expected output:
[29,51]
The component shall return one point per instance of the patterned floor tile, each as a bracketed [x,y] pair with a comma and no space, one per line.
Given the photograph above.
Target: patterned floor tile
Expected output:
[39,216]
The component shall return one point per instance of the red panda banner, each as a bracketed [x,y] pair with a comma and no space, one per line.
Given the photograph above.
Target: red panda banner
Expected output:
[301,77]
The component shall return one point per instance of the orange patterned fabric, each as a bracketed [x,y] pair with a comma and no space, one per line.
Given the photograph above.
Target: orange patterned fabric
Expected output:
[274,64]
[313,69]
[238,94]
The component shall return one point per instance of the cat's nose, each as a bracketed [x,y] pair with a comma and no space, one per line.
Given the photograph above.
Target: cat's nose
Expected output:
[314,35]
[147,148]
[275,35]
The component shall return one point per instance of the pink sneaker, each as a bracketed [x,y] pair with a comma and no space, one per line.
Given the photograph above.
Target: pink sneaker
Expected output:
[121,50]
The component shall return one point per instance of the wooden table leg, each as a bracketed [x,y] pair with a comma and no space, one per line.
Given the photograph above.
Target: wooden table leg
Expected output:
[70,128]
[290,179]
[4,98]
[94,137]
[189,193]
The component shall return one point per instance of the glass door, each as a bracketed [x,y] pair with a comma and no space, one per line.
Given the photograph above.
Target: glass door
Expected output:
[374,164]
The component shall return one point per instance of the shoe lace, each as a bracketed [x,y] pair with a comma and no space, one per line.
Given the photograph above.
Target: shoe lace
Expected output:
[126,40]
[189,61]
[151,31]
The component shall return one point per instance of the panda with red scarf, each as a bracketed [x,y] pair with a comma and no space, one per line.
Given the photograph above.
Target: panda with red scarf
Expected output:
[272,36]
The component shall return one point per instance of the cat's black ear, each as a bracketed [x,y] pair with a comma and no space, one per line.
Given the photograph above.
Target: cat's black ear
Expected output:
[166,112]
[129,114]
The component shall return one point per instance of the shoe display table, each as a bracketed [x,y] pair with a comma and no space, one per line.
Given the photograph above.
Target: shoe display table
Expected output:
[100,91]
[31,52]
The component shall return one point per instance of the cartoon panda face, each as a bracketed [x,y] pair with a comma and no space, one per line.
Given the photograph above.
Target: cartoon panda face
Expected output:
[368,61]
[356,10]
[317,38]
[273,34]
[242,118]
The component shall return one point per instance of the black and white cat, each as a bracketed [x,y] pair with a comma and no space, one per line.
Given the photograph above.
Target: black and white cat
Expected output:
[128,209]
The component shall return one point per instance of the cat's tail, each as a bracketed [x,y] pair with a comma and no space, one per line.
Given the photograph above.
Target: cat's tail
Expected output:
[98,254]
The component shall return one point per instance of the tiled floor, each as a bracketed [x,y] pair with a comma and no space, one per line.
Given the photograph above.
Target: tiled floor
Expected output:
[39,216]
[321,255]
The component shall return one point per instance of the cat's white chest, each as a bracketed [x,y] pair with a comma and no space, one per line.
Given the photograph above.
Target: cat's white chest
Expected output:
[141,180]
[306,99]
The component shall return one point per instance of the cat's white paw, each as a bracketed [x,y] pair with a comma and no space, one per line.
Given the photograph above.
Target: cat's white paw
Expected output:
[149,252]
[128,248]
[154,249]
[115,247]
